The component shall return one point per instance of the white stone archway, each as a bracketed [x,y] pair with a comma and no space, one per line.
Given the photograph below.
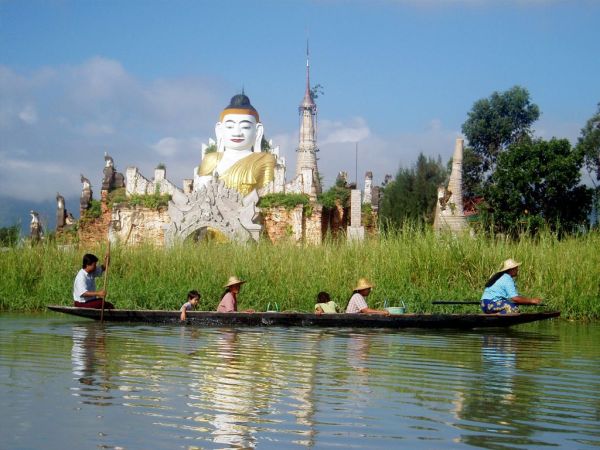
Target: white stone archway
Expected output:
[214,206]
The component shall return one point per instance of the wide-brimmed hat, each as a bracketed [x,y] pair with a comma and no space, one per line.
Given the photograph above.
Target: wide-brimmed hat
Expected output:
[509,264]
[233,280]
[363,283]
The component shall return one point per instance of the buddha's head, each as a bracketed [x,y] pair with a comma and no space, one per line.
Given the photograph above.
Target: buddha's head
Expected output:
[239,127]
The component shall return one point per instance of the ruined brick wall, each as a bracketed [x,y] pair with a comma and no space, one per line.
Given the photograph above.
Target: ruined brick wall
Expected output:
[93,231]
[313,226]
[281,224]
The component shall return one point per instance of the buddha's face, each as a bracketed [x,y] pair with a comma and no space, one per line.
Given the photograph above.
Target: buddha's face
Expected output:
[238,131]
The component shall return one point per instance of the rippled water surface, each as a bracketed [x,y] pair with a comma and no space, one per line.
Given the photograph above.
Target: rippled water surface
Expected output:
[70,383]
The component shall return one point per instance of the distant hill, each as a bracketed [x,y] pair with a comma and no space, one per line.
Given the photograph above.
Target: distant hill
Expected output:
[14,211]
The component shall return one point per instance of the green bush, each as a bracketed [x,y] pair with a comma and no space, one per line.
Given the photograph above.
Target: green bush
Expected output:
[288,201]
[94,211]
[337,193]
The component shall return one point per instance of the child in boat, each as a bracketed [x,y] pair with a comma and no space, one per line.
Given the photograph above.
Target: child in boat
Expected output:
[358,303]
[85,294]
[193,298]
[500,295]
[325,305]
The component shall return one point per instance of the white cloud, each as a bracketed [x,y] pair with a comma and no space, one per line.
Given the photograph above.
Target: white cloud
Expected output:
[171,146]
[97,129]
[29,180]
[338,132]
[57,122]
[28,115]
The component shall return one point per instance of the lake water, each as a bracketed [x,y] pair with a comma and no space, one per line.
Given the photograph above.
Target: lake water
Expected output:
[68,383]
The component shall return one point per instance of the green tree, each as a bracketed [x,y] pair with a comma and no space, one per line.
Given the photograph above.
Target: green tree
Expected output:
[537,182]
[316,91]
[589,146]
[412,195]
[496,122]
[9,236]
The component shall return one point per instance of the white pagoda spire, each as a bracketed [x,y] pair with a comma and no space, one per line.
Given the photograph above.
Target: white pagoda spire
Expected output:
[307,146]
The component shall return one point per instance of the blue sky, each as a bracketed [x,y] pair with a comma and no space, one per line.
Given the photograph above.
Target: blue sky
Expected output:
[146,80]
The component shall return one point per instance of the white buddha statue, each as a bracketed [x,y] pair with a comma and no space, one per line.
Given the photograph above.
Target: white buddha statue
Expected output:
[238,161]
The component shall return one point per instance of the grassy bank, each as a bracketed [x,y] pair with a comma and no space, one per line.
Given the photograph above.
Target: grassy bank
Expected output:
[414,266]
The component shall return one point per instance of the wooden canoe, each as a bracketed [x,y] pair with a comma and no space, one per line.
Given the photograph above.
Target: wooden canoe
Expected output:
[295,319]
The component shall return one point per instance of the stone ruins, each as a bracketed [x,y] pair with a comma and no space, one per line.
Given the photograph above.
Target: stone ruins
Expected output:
[221,198]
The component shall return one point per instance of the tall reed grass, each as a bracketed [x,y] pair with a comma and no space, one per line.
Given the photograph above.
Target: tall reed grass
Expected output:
[410,265]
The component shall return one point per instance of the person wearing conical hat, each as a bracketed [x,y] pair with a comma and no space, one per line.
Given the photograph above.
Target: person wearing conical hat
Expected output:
[238,161]
[500,295]
[358,302]
[229,301]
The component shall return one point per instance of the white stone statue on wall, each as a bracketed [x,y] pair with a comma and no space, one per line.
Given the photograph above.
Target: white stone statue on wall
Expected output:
[36,231]
[86,194]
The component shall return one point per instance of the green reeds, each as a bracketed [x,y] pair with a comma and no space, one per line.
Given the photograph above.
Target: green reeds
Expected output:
[411,265]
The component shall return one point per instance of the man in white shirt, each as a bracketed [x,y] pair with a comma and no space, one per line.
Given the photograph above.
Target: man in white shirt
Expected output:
[85,294]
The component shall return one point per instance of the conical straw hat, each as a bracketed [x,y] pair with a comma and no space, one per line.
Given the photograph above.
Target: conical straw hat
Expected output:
[233,280]
[509,264]
[363,283]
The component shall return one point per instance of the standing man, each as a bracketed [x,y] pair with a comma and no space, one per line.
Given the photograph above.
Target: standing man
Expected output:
[85,294]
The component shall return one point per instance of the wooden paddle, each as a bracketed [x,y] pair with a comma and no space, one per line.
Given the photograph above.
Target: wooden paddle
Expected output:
[105,282]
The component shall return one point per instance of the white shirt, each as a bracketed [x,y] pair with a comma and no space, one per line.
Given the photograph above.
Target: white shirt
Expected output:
[85,282]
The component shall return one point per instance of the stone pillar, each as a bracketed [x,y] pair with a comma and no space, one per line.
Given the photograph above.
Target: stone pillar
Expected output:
[279,178]
[61,212]
[356,232]
[188,185]
[159,175]
[449,212]
[368,194]
[131,175]
[455,184]
[307,181]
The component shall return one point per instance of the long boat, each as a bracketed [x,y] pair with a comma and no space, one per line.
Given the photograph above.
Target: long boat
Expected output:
[298,319]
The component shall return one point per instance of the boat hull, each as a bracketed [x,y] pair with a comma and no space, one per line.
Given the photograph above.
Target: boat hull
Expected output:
[293,319]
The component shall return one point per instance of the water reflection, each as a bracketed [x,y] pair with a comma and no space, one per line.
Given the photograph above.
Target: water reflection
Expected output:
[231,396]
[247,381]
[186,387]
[90,363]
[502,397]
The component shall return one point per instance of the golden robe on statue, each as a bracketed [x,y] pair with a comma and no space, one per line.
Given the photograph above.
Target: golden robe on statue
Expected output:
[254,171]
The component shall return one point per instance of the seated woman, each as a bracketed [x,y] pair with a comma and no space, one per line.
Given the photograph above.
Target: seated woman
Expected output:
[325,305]
[500,295]
[358,304]
[229,301]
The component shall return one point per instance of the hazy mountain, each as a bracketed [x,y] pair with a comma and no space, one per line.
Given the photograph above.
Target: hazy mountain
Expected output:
[15,211]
